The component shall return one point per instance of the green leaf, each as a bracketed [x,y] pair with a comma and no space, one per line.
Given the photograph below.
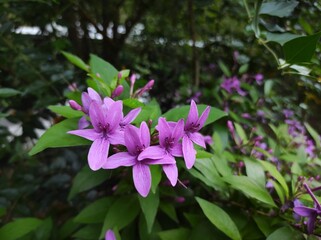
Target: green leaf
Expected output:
[181,112]
[300,49]
[249,187]
[222,165]
[89,232]
[241,133]
[76,61]
[121,213]
[281,38]
[219,218]
[285,233]
[66,111]
[44,231]
[149,206]
[18,228]
[278,8]
[149,111]
[86,179]
[67,229]
[133,103]
[8,92]
[95,212]
[175,234]
[255,171]
[57,136]
[169,210]
[314,134]
[279,191]
[264,224]
[105,70]
[156,172]
[272,170]
[224,69]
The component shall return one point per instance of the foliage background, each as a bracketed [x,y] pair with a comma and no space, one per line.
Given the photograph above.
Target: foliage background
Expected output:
[186,46]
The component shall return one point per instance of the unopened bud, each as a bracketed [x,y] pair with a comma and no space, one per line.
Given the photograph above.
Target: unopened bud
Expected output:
[119,75]
[132,79]
[74,105]
[117,91]
[230,127]
[146,88]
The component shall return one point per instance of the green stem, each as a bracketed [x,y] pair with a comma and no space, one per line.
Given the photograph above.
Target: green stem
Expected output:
[247,9]
[261,41]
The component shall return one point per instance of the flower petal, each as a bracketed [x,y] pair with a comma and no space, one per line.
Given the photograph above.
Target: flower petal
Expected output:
[203,117]
[132,140]
[144,135]
[98,153]
[178,131]
[311,223]
[117,137]
[177,150]
[120,159]
[189,152]
[152,152]
[115,114]
[94,95]
[142,178]
[192,115]
[130,116]
[83,122]
[171,172]
[168,159]
[89,134]
[86,100]
[108,101]
[304,211]
[96,116]
[164,131]
[110,235]
[198,139]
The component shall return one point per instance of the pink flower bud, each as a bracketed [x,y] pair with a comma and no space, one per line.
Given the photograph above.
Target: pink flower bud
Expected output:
[119,75]
[146,88]
[117,91]
[132,79]
[74,105]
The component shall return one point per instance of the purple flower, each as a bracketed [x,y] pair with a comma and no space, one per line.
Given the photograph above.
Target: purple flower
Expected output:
[310,213]
[169,147]
[287,113]
[129,117]
[110,235]
[86,98]
[192,126]
[310,148]
[259,78]
[136,141]
[233,84]
[106,131]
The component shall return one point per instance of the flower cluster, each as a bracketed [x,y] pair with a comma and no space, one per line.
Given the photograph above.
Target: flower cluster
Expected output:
[110,127]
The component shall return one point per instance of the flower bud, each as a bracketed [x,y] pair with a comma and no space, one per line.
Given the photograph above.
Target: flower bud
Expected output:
[74,105]
[117,91]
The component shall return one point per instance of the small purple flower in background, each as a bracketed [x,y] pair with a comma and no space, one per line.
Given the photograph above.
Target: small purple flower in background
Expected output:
[259,78]
[136,141]
[195,97]
[192,127]
[310,213]
[310,148]
[287,113]
[246,115]
[295,128]
[110,235]
[232,84]
[169,147]
[106,131]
